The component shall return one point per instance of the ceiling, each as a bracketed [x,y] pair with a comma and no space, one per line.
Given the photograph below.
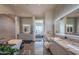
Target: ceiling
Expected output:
[32,9]
[74,13]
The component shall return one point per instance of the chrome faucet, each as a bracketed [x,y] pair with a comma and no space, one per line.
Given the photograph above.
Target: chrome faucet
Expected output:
[65,37]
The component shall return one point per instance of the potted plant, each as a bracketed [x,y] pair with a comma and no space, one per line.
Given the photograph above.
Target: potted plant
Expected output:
[7,50]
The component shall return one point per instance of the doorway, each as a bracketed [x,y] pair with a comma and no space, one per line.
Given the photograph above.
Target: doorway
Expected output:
[39,32]
[39,29]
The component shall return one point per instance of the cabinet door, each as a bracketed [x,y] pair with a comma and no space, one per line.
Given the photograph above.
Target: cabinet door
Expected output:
[71,53]
[60,50]
[52,48]
[57,49]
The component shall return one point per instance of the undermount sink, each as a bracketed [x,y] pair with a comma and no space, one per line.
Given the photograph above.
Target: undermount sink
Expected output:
[73,47]
[58,39]
[75,44]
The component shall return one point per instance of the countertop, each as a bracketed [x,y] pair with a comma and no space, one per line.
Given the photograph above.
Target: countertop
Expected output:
[66,44]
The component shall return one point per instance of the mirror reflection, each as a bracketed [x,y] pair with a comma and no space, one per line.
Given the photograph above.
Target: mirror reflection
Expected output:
[69,24]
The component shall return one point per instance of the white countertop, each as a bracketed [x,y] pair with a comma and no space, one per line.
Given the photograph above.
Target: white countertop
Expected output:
[67,44]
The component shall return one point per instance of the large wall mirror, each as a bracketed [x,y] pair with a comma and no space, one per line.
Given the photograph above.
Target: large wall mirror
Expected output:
[60,26]
[68,24]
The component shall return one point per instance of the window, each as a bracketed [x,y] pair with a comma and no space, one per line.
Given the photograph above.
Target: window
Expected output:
[26,28]
[69,28]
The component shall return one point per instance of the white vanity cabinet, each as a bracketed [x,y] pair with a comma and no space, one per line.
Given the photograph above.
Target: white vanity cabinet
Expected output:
[57,49]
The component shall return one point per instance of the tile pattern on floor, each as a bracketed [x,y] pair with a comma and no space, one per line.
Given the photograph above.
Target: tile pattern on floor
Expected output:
[35,48]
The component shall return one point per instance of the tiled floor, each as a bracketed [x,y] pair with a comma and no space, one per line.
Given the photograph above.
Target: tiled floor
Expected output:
[35,48]
[39,46]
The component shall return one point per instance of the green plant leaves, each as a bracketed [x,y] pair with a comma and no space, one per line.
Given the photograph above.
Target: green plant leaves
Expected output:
[7,50]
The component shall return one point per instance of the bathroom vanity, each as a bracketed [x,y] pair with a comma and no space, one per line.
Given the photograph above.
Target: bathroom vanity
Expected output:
[59,46]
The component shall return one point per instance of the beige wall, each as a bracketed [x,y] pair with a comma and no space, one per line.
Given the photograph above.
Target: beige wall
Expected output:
[48,21]
[26,20]
[7,27]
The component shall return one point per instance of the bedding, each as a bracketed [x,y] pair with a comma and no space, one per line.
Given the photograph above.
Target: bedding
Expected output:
[16,43]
